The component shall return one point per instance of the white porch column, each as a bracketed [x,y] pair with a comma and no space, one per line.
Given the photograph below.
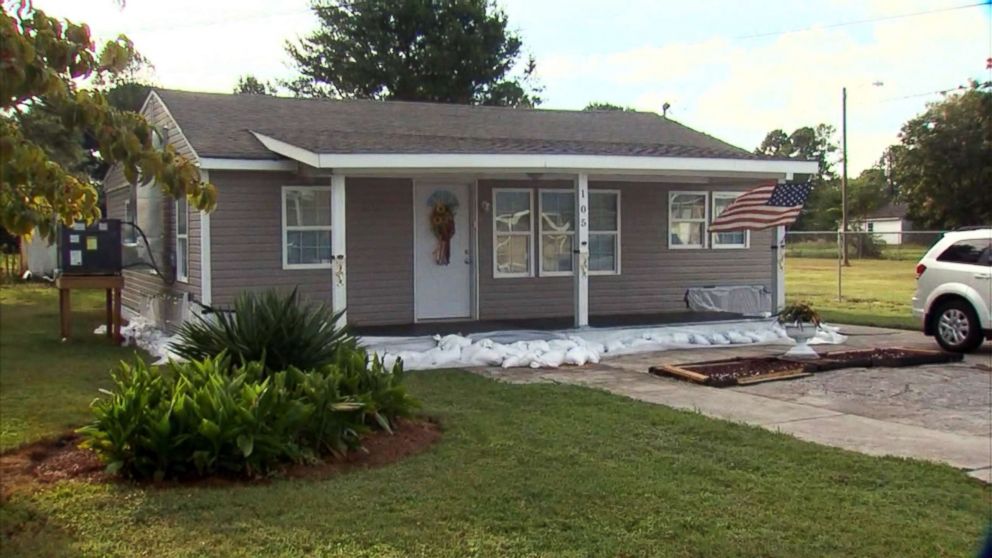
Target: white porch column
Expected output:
[581,251]
[206,273]
[339,269]
[778,269]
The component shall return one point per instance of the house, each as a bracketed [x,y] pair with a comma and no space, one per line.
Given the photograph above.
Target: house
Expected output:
[402,213]
[888,223]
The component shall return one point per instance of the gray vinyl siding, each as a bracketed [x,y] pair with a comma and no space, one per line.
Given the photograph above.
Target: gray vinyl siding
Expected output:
[380,251]
[246,238]
[141,286]
[653,277]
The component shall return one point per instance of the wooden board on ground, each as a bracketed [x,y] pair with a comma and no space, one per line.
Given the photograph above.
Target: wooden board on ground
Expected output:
[754,370]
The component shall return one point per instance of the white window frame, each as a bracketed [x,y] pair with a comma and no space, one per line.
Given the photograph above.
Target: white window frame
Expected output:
[129,235]
[285,228]
[705,220]
[530,234]
[592,232]
[540,232]
[712,213]
[182,258]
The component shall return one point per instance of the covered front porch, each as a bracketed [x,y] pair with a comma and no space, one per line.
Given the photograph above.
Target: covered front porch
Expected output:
[467,327]
[537,242]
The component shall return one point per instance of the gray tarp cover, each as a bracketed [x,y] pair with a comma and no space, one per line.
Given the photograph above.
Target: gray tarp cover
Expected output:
[750,300]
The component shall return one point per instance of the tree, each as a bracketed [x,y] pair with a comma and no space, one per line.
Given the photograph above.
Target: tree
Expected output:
[599,105]
[449,51]
[44,61]
[943,163]
[250,85]
[822,210]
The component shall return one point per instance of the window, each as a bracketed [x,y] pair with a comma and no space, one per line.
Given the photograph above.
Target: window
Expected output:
[604,232]
[871,227]
[971,252]
[512,233]
[733,239]
[687,220]
[557,229]
[128,232]
[306,227]
[182,239]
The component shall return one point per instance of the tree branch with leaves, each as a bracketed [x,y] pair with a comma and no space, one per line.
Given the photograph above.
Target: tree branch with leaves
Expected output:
[43,63]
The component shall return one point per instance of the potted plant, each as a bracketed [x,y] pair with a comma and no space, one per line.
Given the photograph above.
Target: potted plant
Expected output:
[800,321]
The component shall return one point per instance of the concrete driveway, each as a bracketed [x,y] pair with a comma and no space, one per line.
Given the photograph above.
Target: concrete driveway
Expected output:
[933,412]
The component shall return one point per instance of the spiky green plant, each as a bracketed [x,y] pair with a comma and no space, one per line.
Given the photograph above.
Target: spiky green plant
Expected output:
[272,327]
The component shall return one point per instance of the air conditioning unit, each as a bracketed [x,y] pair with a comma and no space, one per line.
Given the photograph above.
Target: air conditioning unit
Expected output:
[91,250]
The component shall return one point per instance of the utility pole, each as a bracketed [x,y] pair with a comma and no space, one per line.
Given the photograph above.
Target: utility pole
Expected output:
[843,179]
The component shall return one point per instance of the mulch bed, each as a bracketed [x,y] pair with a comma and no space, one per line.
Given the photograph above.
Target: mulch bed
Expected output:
[743,371]
[55,459]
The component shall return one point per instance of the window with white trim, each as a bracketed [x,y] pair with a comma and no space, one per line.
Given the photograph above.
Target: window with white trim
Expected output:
[182,239]
[306,227]
[604,232]
[129,233]
[687,220]
[512,232]
[732,239]
[557,230]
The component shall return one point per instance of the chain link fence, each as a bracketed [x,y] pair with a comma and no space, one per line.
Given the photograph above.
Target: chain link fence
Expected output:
[873,287]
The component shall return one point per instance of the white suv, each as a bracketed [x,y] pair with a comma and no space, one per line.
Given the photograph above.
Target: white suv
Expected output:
[954,290]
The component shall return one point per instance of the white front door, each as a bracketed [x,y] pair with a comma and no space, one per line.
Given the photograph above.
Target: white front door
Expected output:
[442,250]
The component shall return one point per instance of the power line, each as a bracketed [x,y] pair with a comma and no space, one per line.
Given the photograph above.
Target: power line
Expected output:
[937,92]
[863,21]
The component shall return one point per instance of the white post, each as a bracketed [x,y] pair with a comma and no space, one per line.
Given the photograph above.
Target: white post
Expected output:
[581,251]
[206,282]
[339,269]
[779,297]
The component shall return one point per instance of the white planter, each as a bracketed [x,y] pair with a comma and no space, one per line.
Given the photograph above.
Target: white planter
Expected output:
[801,334]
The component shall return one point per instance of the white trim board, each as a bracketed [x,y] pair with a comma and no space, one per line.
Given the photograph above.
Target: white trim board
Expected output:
[217,163]
[539,163]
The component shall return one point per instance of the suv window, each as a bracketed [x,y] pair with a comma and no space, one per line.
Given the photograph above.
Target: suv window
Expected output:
[974,252]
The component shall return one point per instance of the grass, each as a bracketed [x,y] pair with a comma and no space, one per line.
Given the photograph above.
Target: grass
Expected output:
[876,292]
[38,370]
[522,470]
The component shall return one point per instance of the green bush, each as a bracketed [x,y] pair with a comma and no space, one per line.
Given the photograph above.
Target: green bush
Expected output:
[215,416]
[272,327]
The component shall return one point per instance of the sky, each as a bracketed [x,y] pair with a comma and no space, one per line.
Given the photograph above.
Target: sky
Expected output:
[732,69]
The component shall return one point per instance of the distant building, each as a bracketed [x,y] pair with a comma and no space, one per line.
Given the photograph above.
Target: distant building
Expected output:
[888,223]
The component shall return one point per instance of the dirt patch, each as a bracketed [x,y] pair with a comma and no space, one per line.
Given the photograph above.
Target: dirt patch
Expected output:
[51,460]
[742,371]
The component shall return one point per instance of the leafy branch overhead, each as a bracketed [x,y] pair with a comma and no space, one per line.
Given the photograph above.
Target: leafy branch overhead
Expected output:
[455,51]
[42,62]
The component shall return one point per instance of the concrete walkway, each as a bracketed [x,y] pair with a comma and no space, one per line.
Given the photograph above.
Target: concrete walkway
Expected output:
[933,412]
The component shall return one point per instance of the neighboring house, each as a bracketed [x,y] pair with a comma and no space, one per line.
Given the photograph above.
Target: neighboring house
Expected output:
[888,223]
[411,212]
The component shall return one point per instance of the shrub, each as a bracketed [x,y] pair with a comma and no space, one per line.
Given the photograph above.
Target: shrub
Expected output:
[205,417]
[271,327]
[215,416]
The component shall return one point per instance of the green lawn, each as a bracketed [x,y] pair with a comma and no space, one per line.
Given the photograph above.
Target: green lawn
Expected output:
[46,386]
[522,470]
[876,292]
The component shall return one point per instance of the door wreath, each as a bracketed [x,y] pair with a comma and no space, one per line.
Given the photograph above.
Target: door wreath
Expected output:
[443,206]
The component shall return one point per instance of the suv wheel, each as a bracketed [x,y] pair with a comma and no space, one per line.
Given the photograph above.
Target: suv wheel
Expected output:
[956,327]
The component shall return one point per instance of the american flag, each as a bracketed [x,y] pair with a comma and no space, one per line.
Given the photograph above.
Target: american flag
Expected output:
[768,205]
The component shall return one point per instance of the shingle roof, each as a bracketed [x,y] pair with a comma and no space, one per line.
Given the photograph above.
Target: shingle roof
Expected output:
[890,210]
[220,125]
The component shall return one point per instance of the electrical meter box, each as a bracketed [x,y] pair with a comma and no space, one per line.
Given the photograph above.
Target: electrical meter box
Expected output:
[91,250]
